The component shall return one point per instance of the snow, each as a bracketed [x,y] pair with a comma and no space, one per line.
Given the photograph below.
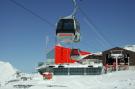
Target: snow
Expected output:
[130,47]
[6,71]
[97,53]
[113,80]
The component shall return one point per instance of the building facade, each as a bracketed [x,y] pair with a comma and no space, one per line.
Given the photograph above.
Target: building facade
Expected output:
[129,56]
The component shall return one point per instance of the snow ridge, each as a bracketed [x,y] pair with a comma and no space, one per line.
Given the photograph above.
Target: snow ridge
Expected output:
[6,71]
[130,47]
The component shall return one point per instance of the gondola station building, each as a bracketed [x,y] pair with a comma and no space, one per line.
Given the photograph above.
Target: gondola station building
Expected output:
[90,63]
[125,57]
[63,64]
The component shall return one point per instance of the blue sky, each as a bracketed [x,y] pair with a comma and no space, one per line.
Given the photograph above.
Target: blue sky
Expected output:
[106,24]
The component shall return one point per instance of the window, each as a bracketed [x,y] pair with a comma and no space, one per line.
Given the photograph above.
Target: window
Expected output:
[68,26]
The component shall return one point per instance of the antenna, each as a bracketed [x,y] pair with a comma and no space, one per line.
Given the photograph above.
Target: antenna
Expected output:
[46,46]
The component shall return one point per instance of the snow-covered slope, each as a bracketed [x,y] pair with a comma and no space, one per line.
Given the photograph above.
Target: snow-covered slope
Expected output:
[130,47]
[113,80]
[6,71]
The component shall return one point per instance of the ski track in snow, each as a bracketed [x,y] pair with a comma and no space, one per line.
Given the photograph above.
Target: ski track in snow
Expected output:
[114,80]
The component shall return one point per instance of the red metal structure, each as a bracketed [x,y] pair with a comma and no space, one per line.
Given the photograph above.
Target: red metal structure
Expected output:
[62,55]
[47,75]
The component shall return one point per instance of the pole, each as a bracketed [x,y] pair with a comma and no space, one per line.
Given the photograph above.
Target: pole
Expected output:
[128,62]
[116,63]
[46,47]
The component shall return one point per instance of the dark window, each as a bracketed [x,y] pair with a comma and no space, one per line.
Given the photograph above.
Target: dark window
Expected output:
[59,25]
[65,24]
[68,26]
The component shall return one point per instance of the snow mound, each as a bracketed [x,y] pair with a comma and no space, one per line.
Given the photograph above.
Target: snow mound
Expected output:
[130,47]
[6,71]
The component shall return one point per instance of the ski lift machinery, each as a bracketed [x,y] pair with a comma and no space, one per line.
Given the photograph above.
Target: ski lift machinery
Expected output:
[75,54]
[68,28]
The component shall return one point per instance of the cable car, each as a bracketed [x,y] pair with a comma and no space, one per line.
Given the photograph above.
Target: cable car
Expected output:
[68,30]
[75,54]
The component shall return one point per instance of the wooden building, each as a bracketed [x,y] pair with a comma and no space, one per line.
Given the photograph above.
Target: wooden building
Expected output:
[129,56]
